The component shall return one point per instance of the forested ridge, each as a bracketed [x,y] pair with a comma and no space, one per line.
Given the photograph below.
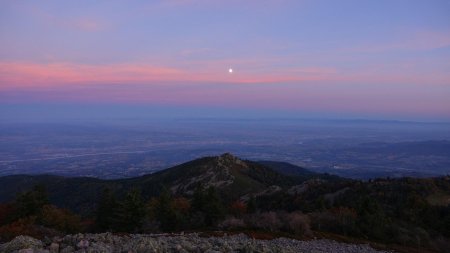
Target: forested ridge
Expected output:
[227,194]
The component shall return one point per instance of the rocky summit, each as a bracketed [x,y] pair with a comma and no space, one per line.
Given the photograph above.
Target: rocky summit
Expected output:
[191,242]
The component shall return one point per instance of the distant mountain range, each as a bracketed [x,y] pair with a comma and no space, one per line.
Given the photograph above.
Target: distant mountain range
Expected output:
[422,148]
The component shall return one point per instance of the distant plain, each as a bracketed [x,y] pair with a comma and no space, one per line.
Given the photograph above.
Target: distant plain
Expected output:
[350,148]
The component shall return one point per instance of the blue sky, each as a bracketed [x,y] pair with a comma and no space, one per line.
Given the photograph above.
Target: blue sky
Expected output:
[384,59]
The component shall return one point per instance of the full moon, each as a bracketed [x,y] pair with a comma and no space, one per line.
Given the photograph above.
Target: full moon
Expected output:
[230,70]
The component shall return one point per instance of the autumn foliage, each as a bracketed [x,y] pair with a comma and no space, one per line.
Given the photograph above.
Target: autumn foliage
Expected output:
[30,214]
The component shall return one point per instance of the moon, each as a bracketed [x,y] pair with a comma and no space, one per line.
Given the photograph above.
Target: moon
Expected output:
[230,70]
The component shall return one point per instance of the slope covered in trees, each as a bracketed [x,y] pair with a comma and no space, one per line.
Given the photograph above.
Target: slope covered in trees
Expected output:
[231,176]
[226,193]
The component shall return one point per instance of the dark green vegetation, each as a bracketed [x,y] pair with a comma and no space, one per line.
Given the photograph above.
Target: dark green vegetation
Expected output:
[227,193]
[231,176]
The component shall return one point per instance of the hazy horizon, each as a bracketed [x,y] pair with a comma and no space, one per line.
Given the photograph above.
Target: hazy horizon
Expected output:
[78,113]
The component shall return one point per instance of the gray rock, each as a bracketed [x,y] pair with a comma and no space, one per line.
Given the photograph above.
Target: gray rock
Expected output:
[83,244]
[22,243]
[54,247]
[181,243]
[26,251]
[68,249]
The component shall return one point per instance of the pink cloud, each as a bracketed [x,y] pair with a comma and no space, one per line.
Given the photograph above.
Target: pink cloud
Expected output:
[19,74]
[32,74]
[15,75]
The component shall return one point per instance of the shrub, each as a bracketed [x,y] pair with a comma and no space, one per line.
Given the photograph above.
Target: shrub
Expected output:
[238,208]
[266,221]
[297,223]
[338,220]
[23,226]
[181,205]
[6,213]
[232,223]
[60,219]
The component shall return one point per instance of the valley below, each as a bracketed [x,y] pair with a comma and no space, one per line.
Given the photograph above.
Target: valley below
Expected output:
[353,149]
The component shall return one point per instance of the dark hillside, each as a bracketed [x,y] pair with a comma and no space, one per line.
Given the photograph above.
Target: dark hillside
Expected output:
[231,176]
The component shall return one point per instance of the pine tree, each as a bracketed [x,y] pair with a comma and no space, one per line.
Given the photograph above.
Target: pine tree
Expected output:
[251,205]
[31,202]
[213,209]
[130,213]
[207,207]
[165,212]
[105,210]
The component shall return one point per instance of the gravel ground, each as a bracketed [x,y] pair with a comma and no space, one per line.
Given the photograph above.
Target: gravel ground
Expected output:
[108,242]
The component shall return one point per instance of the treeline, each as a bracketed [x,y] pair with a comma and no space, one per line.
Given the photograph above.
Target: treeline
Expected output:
[203,211]
[408,212]
[164,213]
[31,214]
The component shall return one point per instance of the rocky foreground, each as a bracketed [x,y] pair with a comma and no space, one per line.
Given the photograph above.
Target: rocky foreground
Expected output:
[108,242]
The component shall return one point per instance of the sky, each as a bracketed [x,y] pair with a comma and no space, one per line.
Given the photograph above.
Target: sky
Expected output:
[350,58]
